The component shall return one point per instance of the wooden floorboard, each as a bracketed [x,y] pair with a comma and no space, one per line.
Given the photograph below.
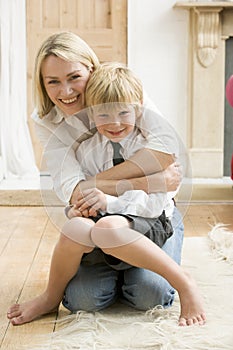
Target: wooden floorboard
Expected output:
[27,238]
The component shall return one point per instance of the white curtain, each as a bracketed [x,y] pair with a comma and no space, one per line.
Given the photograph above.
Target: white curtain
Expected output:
[16,152]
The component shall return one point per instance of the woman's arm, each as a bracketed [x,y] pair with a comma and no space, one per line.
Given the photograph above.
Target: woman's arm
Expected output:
[59,156]
[165,181]
[144,162]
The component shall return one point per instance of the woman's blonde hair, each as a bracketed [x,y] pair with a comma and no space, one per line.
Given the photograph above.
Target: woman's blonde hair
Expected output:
[113,82]
[68,46]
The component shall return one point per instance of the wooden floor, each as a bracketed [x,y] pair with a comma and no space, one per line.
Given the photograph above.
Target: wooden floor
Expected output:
[27,238]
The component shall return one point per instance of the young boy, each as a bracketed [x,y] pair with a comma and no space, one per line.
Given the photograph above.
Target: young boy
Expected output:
[123,231]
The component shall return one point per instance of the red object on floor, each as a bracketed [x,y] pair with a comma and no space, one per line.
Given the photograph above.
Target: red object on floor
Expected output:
[229,91]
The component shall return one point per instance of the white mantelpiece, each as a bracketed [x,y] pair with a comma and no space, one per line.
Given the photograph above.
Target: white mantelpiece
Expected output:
[211,23]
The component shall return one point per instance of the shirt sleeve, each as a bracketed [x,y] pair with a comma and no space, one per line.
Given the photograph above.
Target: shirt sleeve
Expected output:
[137,202]
[60,160]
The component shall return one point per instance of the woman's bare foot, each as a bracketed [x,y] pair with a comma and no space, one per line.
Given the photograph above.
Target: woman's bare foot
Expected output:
[26,312]
[192,311]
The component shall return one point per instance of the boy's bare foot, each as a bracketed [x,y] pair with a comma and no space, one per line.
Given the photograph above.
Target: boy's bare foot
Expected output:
[26,312]
[192,311]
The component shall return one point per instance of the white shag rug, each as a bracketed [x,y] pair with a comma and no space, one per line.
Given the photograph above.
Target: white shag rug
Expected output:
[210,261]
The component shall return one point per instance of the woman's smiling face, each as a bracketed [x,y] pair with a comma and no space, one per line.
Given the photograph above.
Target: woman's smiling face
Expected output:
[65,83]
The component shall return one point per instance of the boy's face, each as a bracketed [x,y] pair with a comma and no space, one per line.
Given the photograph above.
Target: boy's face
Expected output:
[114,120]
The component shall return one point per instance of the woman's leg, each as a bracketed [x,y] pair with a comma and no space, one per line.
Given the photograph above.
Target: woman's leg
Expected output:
[66,259]
[173,246]
[93,288]
[143,253]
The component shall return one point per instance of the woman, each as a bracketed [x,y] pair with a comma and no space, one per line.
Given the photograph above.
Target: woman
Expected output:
[63,66]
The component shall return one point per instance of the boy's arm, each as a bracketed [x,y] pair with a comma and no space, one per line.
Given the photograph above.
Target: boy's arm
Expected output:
[144,162]
[137,203]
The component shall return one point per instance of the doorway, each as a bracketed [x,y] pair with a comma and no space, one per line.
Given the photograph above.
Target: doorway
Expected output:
[102,23]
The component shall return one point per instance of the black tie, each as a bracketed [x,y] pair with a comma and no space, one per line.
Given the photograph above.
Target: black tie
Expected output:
[117,157]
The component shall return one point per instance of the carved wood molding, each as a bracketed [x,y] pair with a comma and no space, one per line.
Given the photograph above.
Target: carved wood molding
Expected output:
[207,26]
[207,33]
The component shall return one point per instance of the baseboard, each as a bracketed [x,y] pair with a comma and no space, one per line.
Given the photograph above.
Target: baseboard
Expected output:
[211,193]
[29,198]
[206,193]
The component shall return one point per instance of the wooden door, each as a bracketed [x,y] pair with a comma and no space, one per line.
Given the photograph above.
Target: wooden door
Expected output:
[101,23]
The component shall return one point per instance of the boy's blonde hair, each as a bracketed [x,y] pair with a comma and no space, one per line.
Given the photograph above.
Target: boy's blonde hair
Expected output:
[113,82]
[68,46]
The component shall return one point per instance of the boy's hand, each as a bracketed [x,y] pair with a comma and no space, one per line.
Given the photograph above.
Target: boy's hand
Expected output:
[91,200]
[74,212]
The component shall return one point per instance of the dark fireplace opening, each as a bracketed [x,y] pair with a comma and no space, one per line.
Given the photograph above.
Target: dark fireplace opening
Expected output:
[228,117]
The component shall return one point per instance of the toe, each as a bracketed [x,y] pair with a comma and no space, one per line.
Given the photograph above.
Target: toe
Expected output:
[17,320]
[182,322]
[13,312]
[13,308]
[190,321]
[201,320]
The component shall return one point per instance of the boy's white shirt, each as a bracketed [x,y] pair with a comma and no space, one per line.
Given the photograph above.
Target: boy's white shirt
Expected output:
[61,136]
[95,155]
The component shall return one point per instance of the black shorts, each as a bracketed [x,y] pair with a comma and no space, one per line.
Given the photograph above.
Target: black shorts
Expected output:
[157,230]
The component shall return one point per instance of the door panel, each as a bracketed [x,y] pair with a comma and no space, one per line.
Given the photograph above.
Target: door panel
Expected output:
[102,23]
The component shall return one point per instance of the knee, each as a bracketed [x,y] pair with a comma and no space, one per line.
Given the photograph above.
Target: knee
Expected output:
[149,295]
[71,226]
[89,303]
[105,233]
[81,295]
[76,231]
[112,232]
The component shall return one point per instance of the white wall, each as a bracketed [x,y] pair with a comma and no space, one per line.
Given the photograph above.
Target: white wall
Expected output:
[1,168]
[158,53]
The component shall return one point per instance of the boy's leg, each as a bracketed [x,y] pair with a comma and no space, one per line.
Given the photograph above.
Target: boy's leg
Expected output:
[143,253]
[66,259]
[140,282]
[95,285]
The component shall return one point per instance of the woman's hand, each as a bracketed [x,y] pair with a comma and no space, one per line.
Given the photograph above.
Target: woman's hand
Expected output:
[91,200]
[164,181]
[81,186]
[172,176]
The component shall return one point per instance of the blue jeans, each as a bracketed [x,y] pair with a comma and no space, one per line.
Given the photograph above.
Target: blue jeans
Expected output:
[98,286]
